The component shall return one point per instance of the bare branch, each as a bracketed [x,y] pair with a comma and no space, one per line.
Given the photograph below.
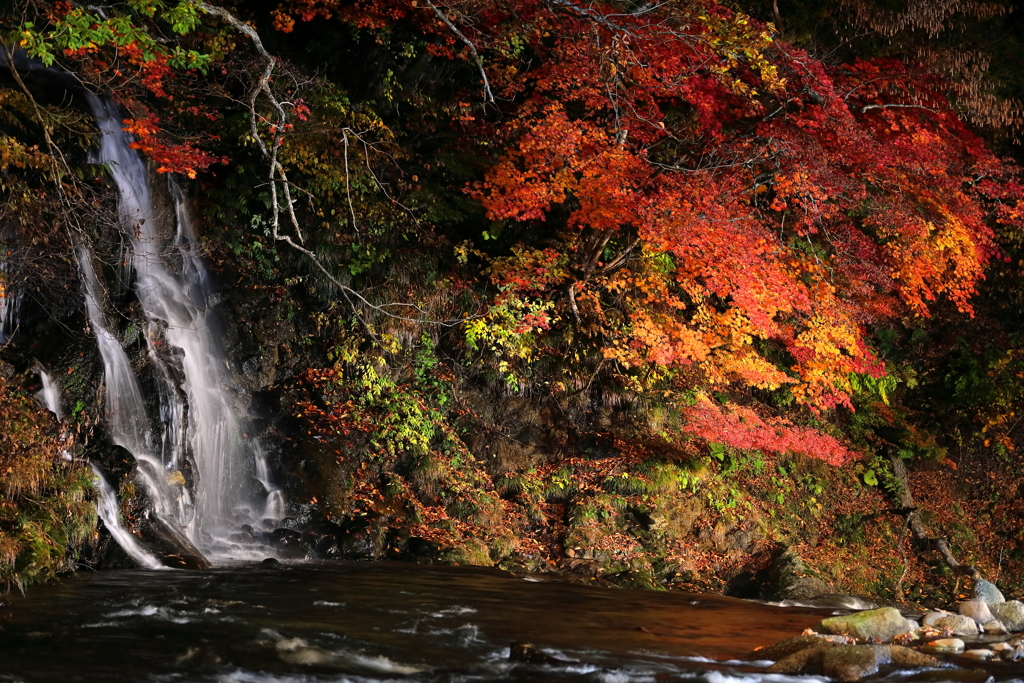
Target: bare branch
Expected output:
[280,186]
[488,95]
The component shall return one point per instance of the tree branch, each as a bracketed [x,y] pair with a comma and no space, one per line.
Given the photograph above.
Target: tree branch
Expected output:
[488,95]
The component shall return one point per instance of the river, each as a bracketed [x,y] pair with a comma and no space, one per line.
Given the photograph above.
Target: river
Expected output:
[365,622]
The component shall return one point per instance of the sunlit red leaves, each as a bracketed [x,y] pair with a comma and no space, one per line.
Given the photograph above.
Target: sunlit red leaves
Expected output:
[170,158]
[742,428]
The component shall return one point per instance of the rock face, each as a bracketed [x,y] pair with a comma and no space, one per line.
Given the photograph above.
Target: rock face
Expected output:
[986,592]
[958,625]
[1011,614]
[790,579]
[977,610]
[879,625]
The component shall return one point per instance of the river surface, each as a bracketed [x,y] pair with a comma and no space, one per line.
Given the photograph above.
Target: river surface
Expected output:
[363,622]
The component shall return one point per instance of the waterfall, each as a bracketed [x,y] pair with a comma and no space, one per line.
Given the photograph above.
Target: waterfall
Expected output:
[49,395]
[10,303]
[109,513]
[199,437]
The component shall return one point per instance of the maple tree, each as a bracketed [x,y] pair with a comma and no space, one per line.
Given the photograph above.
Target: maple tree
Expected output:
[724,203]
[664,223]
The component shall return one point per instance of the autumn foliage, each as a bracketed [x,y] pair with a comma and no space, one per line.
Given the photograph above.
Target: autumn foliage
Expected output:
[729,208]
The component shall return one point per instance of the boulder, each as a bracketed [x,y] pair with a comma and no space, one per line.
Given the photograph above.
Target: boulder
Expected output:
[790,646]
[805,661]
[904,656]
[790,579]
[986,591]
[977,610]
[853,662]
[880,625]
[958,625]
[1011,614]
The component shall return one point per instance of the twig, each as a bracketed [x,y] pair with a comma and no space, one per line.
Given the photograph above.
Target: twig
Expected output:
[488,95]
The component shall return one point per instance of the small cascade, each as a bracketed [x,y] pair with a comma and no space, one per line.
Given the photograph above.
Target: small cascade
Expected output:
[204,471]
[49,395]
[108,511]
[125,410]
[10,304]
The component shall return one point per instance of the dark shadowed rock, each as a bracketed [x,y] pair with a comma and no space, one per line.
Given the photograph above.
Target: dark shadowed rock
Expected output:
[170,544]
[528,654]
[790,646]
[853,662]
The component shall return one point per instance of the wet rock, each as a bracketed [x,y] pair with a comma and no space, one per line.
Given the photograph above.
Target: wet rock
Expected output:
[999,648]
[790,579]
[944,646]
[790,646]
[932,617]
[805,661]
[995,628]
[853,662]
[904,656]
[528,654]
[958,625]
[977,610]
[271,563]
[170,544]
[1011,614]
[978,655]
[881,625]
[986,592]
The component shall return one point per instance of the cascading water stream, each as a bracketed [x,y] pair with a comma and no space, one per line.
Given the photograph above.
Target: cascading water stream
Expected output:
[199,432]
[109,513]
[49,395]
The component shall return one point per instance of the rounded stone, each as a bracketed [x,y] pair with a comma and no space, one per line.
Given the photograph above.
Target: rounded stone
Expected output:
[930,618]
[977,610]
[880,625]
[979,655]
[958,625]
[1011,614]
[944,645]
[987,592]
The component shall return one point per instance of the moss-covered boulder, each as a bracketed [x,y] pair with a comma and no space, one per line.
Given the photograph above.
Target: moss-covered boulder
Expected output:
[875,625]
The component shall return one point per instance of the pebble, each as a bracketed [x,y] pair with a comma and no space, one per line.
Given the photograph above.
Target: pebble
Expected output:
[1002,647]
[944,645]
[979,655]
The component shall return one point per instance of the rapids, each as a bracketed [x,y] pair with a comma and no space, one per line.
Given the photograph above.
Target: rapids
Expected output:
[363,622]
